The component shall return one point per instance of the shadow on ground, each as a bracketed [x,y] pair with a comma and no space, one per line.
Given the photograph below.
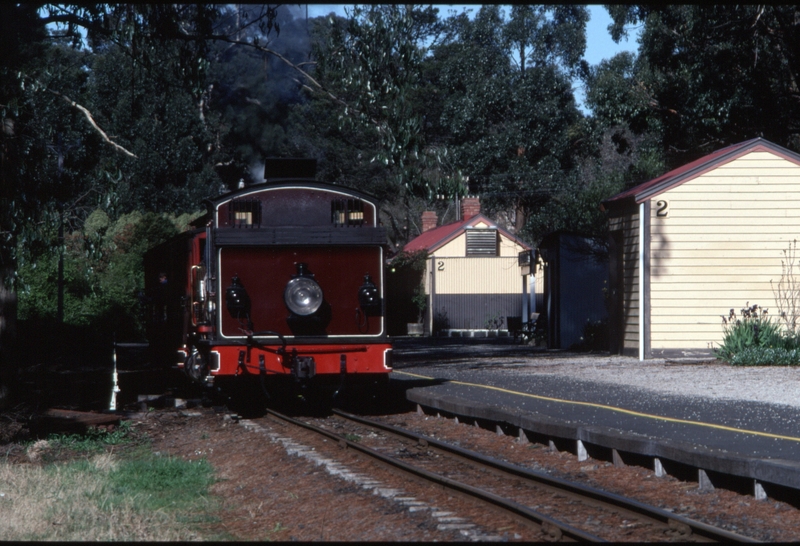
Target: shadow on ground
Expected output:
[419,351]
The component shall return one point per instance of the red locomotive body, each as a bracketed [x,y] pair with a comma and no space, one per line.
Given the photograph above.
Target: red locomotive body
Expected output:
[283,283]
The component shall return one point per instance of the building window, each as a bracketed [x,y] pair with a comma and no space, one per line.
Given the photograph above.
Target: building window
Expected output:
[482,242]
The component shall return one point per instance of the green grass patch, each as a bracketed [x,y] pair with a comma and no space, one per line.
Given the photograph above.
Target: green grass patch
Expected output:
[93,440]
[163,482]
[103,494]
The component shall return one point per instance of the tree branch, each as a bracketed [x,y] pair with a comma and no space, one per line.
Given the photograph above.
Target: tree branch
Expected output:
[91,121]
[87,115]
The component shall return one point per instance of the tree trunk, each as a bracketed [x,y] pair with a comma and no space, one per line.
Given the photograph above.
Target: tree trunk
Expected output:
[8,330]
[519,220]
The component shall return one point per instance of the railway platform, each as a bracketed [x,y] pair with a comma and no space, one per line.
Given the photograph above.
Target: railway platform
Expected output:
[704,421]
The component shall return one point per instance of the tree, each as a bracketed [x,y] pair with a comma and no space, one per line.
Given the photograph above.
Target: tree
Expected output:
[628,137]
[712,75]
[508,107]
[620,160]
[372,63]
[370,66]
[103,272]
[59,157]
[158,120]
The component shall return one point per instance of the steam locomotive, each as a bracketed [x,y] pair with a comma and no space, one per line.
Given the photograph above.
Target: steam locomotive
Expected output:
[280,285]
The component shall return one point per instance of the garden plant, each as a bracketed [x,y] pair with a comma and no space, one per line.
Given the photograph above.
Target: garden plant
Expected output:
[754,339]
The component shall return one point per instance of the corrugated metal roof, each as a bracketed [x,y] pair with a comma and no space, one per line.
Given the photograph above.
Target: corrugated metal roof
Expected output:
[435,238]
[676,177]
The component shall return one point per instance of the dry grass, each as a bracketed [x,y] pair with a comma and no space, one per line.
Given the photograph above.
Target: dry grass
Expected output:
[76,501]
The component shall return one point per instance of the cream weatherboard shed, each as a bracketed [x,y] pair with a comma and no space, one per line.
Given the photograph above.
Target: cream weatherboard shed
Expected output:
[692,244]
[473,278]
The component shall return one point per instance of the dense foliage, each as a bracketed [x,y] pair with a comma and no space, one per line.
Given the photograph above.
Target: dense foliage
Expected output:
[103,272]
[707,75]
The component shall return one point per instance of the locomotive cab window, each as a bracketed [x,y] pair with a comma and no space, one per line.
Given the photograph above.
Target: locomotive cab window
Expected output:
[244,212]
[482,242]
[347,212]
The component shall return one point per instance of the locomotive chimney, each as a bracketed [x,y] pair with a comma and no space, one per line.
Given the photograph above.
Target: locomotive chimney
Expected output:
[278,168]
[470,206]
[429,220]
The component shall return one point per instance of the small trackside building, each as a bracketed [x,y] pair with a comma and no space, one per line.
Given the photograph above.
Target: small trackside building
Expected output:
[688,246]
[473,277]
[574,285]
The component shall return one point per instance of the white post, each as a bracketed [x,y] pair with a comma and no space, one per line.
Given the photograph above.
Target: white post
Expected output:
[641,281]
[758,491]
[115,389]
[703,481]
[525,299]
[532,291]
[582,453]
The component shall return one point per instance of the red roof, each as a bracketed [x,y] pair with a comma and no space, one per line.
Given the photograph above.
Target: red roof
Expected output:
[676,177]
[436,238]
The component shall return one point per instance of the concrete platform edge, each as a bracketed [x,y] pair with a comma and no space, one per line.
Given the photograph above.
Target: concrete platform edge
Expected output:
[784,473]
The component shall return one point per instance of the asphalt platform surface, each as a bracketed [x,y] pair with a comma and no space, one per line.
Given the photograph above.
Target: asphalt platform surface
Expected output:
[729,431]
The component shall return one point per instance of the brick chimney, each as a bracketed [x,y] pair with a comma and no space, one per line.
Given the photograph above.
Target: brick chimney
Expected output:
[470,206]
[429,220]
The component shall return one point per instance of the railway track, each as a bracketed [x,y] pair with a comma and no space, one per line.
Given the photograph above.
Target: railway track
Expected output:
[551,508]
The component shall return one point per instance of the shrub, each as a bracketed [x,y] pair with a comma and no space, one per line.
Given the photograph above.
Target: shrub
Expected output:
[787,291]
[753,339]
[595,336]
[102,272]
[769,356]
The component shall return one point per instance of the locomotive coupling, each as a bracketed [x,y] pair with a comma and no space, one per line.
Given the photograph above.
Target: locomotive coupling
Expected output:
[303,367]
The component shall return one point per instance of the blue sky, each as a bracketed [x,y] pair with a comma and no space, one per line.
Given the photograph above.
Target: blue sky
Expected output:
[599,45]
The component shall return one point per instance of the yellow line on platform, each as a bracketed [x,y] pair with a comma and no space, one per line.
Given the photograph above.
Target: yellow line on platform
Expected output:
[612,408]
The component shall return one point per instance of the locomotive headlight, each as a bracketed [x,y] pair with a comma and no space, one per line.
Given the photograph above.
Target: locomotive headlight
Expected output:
[303,296]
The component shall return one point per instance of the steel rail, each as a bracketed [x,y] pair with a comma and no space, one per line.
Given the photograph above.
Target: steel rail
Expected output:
[596,496]
[550,527]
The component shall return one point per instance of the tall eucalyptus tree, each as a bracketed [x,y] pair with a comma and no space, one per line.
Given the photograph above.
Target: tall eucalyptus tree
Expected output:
[509,106]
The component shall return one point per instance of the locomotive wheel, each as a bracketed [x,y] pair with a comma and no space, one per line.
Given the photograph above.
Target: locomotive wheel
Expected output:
[196,366]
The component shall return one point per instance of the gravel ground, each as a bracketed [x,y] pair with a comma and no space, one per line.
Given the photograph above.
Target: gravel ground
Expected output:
[773,385]
[684,377]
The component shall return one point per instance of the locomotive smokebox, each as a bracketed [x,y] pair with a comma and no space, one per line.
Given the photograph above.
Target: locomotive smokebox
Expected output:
[281,168]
